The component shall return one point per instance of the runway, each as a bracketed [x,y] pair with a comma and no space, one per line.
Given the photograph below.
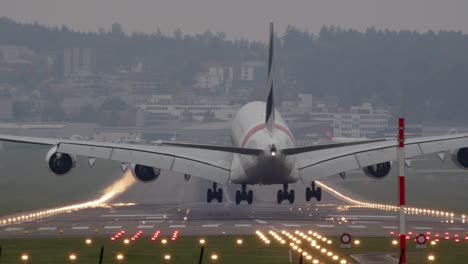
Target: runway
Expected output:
[131,213]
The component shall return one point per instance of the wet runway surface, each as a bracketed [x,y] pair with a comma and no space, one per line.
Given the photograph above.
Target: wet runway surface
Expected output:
[329,217]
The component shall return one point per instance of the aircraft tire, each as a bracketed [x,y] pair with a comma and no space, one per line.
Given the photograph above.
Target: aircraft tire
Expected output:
[220,195]
[209,195]
[291,196]
[238,197]
[318,194]
[308,194]
[279,196]
[250,197]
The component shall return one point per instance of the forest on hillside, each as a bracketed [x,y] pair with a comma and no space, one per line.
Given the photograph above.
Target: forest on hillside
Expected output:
[427,72]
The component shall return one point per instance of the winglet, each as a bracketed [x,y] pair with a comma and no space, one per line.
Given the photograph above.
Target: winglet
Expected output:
[270,105]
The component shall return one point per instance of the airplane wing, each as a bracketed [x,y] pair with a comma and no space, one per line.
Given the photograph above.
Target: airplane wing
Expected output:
[210,164]
[314,164]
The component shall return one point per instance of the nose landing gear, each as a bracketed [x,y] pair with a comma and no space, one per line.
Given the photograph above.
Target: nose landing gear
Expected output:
[285,195]
[313,192]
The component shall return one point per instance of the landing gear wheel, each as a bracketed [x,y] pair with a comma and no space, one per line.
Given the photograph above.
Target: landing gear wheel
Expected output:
[238,197]
[250,197]
[313,192]
[209,195]
[279,196]
[291,197]
[318,195]
[220,195]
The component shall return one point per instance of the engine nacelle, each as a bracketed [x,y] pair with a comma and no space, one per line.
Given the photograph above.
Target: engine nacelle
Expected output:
[378,171]
[145,173]
[460,158]
[60,163]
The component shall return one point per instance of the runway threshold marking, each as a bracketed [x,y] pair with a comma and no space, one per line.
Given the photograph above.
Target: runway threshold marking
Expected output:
[80,227]
[242,225]
[47,228]
[145,226]
[112,227]
[211,225]
[177,226]
[10,229]
[326,226]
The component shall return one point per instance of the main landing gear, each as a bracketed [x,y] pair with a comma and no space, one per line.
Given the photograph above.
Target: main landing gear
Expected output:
[214,193]
[313,192]
[244,195]
[285,195]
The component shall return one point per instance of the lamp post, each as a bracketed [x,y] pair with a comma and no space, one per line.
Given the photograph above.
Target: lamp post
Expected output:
[202,249]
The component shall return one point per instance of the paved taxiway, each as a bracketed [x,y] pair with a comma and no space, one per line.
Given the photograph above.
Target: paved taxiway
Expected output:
[329,217]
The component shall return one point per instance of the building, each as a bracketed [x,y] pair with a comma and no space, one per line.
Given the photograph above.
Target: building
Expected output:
[216,77]
[78,60]
[363,121]
[89,84]
[15,54]
[151,115]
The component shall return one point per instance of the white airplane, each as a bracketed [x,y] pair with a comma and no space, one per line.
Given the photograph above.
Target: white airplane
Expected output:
[264,153]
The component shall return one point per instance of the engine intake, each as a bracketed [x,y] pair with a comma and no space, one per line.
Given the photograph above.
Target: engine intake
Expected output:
[460,158]
[145,173]
[378,171]
[60,163]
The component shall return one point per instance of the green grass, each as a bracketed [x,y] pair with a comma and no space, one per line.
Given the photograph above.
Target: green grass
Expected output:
[186,250]
[26,183]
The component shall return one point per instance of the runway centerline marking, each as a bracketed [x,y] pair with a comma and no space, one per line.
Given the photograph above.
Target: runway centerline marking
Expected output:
[456,228]
[260,221]
[112,227]
[290,225]
[389,227]
[177,226]
[132,215]
[10,229]
[211,225]
[145,226]
[47,228]
[80,227]
[363,216]
[242,225]
[326,226]
[357,226]
[423,228]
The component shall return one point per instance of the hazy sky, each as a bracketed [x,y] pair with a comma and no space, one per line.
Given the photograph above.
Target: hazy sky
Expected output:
[238,18]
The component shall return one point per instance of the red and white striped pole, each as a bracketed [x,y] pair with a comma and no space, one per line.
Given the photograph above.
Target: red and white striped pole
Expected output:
[401,186]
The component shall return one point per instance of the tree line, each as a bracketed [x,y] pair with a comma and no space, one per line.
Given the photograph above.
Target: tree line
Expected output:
[425,74]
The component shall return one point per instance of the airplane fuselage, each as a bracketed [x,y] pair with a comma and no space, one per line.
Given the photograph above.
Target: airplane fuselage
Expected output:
[248,130]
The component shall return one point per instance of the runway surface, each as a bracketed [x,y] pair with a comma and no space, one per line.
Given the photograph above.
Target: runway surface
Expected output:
[174,210]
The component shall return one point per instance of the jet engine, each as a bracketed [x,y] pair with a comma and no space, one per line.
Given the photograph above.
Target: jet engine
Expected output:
[60,163]
[460,158]
[145,173]
[378,171]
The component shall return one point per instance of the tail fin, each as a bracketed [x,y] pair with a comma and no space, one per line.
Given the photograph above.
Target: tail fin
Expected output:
[270,105]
